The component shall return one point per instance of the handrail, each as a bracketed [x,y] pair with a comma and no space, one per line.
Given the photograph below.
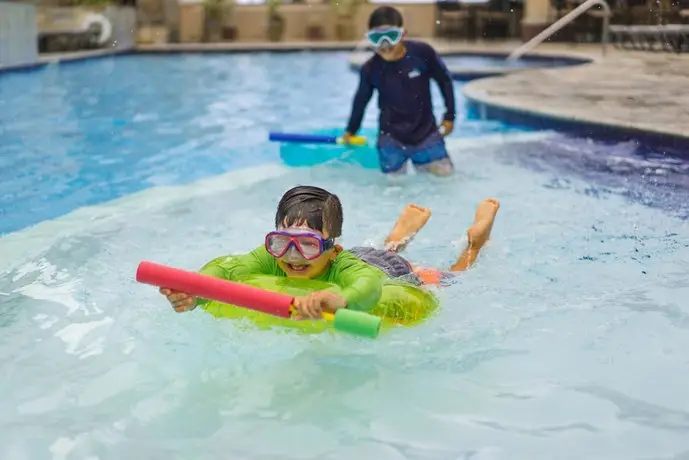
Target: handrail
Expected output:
[563,21]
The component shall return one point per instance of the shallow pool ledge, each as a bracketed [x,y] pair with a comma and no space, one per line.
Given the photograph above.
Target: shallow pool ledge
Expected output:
[628,95]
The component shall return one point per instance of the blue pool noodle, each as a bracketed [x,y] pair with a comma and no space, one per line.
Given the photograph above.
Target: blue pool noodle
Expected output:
[306,138]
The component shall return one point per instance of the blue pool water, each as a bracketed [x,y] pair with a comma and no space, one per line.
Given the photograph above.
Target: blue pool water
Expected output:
[567,340]
[479,61]
[102,129]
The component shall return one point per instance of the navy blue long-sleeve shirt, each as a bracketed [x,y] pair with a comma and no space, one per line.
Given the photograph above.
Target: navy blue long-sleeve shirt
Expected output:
[404,93]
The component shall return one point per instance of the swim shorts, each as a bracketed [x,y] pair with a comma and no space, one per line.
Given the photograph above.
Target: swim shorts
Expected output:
[394,265]
[393,155]
[397,267]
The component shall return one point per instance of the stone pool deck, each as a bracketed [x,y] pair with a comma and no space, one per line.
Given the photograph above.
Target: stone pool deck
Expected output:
[639,91]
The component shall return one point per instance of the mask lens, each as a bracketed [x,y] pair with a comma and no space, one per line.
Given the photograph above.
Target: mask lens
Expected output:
[392,36]
[277,244]
[309,246]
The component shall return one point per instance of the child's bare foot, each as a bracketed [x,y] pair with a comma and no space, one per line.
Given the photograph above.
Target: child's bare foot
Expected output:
[412,219]
[479,232]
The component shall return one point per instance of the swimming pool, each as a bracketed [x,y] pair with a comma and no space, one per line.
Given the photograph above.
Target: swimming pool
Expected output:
[498,60]
[566,340]
[469,66]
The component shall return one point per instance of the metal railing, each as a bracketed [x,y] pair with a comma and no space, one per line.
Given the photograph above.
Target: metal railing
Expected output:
[563,21]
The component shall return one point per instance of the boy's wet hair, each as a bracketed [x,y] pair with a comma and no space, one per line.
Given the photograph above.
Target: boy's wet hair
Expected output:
[313,206]
[385,16]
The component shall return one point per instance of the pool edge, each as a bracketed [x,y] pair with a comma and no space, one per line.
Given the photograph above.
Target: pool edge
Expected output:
[65,58]
[604,130]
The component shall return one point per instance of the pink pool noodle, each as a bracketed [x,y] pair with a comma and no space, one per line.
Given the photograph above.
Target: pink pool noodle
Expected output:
[211,288]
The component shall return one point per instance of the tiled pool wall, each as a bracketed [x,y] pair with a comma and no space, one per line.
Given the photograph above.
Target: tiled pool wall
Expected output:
[676,145]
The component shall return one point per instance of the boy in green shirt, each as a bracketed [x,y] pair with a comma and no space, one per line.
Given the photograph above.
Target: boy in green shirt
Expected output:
[307,221]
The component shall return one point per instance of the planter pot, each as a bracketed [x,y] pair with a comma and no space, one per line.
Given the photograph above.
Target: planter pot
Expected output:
[314,32]
[229,33]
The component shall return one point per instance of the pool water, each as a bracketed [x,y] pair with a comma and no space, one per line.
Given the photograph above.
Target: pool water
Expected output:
[477,61]
[567,340]
[104,128]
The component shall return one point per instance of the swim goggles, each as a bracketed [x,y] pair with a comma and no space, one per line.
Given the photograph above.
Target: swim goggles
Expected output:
[392,35]
[309,245]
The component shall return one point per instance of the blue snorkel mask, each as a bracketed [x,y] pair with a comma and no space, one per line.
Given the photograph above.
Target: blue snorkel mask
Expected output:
[391,35]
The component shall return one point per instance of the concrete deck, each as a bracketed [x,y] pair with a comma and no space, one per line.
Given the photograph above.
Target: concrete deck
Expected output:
[640,91]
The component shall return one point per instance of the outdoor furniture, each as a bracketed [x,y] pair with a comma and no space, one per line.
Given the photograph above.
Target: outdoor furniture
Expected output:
[670,37]
[451,20]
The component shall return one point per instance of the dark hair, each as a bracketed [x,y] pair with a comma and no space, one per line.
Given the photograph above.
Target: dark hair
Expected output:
[385,16]
[314,206]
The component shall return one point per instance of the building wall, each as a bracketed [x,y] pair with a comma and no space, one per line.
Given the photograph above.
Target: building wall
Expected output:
[18,34]
[251,21]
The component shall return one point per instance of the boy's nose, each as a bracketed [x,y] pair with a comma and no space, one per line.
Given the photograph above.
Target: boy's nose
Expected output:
[293,254]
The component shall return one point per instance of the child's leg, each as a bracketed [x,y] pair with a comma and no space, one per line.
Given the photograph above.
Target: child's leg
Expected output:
[443,167]
[431,156]
[412,219]
[478,233]
[392,157]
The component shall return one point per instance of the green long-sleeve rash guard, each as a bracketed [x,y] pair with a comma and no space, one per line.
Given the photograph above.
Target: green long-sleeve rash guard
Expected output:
[360,284]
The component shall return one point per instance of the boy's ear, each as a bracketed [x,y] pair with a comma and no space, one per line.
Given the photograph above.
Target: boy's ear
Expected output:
[336,250]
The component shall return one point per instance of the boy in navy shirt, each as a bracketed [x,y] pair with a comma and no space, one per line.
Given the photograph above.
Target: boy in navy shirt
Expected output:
[401,72]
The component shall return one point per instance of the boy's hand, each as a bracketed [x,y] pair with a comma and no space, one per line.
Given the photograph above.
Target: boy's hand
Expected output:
[346,138]
[447,127]
[312,305]
[180,301]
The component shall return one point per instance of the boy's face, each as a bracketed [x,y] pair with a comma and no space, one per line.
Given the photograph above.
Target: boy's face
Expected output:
[307,253]
[387,41]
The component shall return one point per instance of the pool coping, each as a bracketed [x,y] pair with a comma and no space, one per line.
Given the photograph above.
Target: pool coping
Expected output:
[179,48]
[60,58]
[590,125]
[245,47]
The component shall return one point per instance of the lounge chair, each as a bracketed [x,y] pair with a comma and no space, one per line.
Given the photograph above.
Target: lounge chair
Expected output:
[671,37]
[71,29]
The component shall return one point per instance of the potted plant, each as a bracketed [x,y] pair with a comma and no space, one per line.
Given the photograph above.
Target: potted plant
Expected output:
[345,13]
[276,22]
[314,28]
[213,22]
[229,29]
[97,5]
